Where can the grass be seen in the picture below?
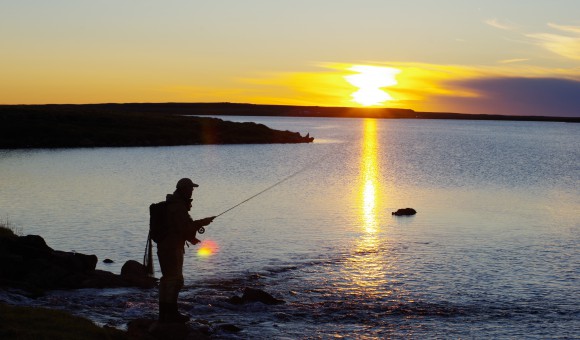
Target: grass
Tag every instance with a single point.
(40, 323)
(7, 230)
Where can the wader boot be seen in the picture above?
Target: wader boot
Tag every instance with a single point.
(168, 293)
(168, 313)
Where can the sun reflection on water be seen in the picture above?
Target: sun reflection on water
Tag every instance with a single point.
(366, 269)
(369, 173)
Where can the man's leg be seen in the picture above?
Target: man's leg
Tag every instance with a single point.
(171, 282)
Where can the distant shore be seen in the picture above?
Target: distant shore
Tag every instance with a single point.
(169, 124)
(242, 109)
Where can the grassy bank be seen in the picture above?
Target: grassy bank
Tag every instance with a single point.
(41, 323)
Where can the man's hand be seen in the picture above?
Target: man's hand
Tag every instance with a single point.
(207, 220)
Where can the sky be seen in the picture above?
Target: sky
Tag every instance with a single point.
(514, 57)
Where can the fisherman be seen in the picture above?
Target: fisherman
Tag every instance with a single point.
(170, 251)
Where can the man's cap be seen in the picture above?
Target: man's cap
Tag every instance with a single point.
(185, 183)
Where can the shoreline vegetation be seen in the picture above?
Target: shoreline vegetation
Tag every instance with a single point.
(20, 322)
(169, 124)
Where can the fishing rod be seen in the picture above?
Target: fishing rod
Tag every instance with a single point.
(202, 229)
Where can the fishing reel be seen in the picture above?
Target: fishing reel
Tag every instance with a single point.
(201, 230)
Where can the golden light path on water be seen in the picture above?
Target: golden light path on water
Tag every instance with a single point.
(370, 172)
(366, 270)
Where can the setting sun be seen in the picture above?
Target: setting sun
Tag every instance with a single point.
(370, 80)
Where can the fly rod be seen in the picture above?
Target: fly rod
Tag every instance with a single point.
(202, 229)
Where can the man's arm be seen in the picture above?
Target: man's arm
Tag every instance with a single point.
(195, 226)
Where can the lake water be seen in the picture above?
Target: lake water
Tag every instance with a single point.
(493, 251)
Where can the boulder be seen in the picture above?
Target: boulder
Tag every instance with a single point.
(28, 262)
(133, 268)
(102, 279)
(405, 212)
(135, 274)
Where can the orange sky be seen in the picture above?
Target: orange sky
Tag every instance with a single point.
(460, 56)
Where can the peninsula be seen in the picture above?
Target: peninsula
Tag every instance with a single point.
(126, 125)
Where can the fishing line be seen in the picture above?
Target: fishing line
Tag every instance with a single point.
(278, 183)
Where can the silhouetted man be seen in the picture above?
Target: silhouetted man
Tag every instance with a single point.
(170, 250)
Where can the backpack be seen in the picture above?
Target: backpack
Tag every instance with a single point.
(158, 221)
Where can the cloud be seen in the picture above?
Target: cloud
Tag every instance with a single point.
(511, 61)
(516, 96)
(565, 43)
(502, 25)
(573, 29)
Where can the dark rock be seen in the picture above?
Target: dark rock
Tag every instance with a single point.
(255, 295)
(227, 327)
(102, 279)
(235, 300)
(108, 261)
(28, 262)
(405, 212)
(75, 262)
(133, 268)
(136, 275)
(44, 273)
(283, 316)
(33, 245)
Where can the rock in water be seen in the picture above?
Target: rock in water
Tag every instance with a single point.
(405, 212)
(255, 295)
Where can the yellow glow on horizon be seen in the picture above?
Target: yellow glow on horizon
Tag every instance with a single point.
(370, 80)
(417, 86)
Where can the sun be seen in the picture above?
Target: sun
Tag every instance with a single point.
(370, 80)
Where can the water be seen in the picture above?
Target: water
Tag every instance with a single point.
(492, 252)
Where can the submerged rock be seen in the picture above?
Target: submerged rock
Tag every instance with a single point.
(405, 212)
(255, 295)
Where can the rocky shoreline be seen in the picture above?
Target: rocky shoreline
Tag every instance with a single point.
(30, 268)
(27, 262)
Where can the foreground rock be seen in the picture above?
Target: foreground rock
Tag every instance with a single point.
(405, 212)
(28, 262)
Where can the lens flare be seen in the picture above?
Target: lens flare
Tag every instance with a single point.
(207, 248)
